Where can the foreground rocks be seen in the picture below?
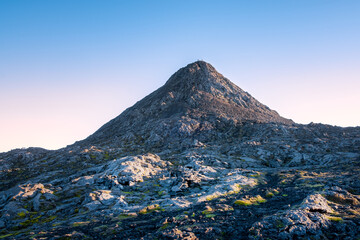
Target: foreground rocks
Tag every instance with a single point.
(186, 196)
(314, 218)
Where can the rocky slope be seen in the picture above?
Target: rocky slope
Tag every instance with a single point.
(194, 100)
(198, 158)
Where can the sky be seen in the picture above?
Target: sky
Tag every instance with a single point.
(68, 67)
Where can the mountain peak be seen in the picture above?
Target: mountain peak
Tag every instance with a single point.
(196, 94)
(195, 73)
(199, 65)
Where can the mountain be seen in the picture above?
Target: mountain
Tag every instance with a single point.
(195, 99)
(199, 158)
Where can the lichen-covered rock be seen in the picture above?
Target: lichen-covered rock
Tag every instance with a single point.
(291, 224)
(13, 210)
(338, 195)
(129, 170)
(316, 203)
(105, 197)
(311, 219)
(84, 181)
(29, 191)
(93, 205)
(175, 233)
(230, 184)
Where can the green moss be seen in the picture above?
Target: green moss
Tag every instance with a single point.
(210, 215)
(106, 156)
(207, 211)
(255, 175)
(128, 193)
(243, 202)
(166, 225)
(259, 199)
(161, 193)
(100, 228)
(313, 185)
(209, 198)
(7, 235)
(335, 219)
(279, 224)
(284, 195)
(125, 216)
(150, 209)
(30, 221)
(269, 195)
(180, 217)
(79, 224)
(233, 191)
(283, 182)
(251, 201)
(49, 219)
(21, 214)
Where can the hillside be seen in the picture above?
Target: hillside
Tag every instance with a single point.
(199, 158)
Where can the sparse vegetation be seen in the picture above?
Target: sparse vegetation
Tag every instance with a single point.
(335, 219)
(279, 224)
(150, 209)
(250, 201)
(6, 235)
(166, 225)
(79, 224)
(208, 210)
(125, 216)
(21, 214)
(269, 194)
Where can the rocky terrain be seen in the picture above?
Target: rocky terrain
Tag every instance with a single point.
(199, 158)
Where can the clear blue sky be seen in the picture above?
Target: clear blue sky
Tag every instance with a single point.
(67, 67)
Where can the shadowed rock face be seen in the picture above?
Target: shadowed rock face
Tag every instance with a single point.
(196, 94)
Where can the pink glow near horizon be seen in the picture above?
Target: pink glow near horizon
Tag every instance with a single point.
(67, 68)
(54, 119)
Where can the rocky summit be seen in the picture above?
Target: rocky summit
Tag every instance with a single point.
(199, 158)
(193, 102)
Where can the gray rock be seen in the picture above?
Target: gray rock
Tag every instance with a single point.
(12, 210)
(94, 205)
(36, 202)
(197, 141)
(316, 203)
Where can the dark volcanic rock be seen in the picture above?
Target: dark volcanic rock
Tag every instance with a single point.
(199, 158)
(195, 99)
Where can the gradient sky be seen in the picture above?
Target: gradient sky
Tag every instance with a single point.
(68, 67)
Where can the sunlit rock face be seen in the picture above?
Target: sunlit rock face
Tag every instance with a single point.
(199, 158)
